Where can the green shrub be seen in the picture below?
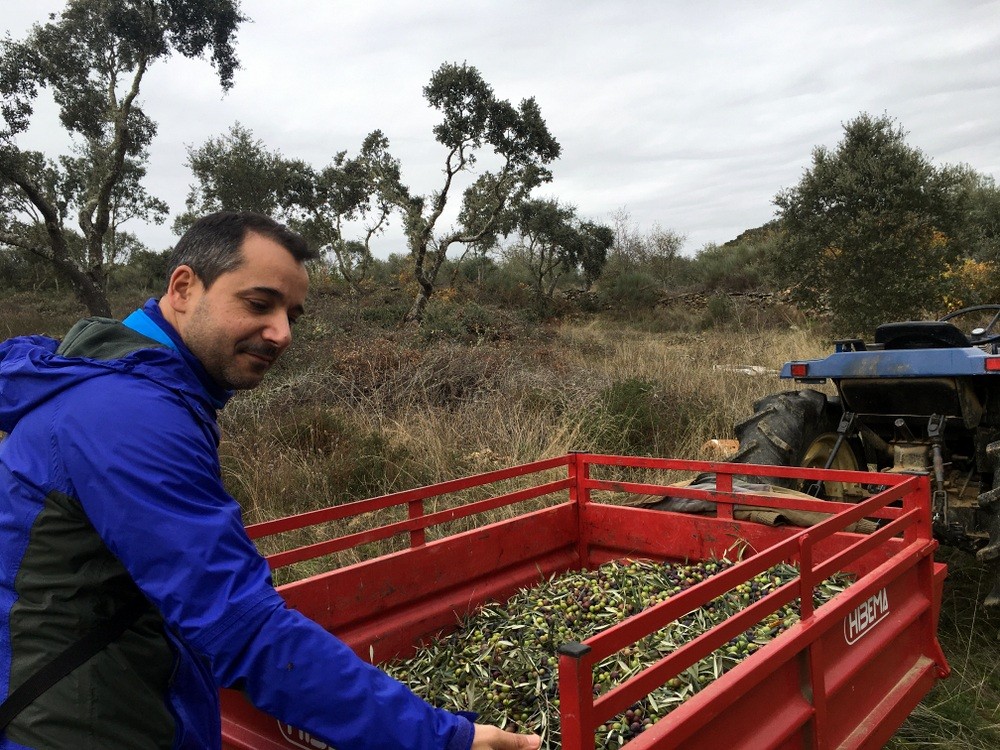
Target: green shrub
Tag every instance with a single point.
(721, 310)
(389, 314)
(462, 322)
(506, 289)
(632, 418)
(629, 288)
(309, 457)
(739, 267)
(145, 272)
(21, 271)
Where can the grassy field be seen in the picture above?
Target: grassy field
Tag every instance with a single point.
(360, 408)
(386, 413)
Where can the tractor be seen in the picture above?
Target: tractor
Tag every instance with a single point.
(924, 396)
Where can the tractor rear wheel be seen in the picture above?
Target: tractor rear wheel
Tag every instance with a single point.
(796, 428)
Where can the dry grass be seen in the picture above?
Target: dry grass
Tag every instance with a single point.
(429, 414)
(355, 412)
(398, 415)
(23, 313)
(357, 416)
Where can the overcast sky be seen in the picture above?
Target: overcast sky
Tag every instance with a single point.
(689, 115)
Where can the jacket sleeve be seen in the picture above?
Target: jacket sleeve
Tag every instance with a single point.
(147, 475)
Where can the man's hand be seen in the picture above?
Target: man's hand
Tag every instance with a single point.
(492, 738)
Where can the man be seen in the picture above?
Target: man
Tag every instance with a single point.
(112, 510)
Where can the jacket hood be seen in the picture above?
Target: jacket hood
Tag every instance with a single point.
(22, 360)
(32, 371)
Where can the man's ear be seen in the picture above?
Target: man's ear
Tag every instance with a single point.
(181, 288)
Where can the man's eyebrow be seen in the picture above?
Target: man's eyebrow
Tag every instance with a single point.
(277, 295)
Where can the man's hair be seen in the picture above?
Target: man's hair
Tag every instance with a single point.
(211, 247)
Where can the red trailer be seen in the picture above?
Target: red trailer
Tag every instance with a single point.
(845, 676)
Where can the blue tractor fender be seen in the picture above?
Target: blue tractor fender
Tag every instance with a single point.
(847, 363)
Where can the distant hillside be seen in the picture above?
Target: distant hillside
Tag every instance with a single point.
(755, 235)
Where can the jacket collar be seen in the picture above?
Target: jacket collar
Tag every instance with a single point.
(149, 321)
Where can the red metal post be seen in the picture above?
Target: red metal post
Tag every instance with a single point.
(911, 501)
(579, 493)
(415, 509)
(806, 582)
(576, 696)
(925, 574)
(724, 483)
(816, 666)
(922, 530)
(813, 688)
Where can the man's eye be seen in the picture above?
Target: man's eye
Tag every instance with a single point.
(257, 306)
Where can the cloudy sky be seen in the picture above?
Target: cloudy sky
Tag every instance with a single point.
(688, 115)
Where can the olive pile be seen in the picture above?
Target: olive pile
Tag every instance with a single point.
(501, 662)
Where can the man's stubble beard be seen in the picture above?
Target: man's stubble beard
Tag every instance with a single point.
(219, 356)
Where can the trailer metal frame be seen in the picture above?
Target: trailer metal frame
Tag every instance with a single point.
(845, 676)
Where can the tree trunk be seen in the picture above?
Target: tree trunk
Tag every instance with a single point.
(416, 313)
(426, 277)
(95, 300)
(89, 288)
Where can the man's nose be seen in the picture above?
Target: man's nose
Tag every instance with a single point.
(278, 331)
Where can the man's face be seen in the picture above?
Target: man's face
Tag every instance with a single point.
(241, 324)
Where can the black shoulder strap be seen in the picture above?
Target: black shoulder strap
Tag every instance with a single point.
(75, 655)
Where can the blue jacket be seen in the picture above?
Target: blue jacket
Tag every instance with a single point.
(110, 480)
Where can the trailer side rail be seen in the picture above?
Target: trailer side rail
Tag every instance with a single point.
(582, 713)
(798, 682)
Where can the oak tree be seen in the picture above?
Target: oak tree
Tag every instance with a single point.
(551, 242)
(339, 208)
(233, 172)
(476, 127)
(870, 228)
(92, 58)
